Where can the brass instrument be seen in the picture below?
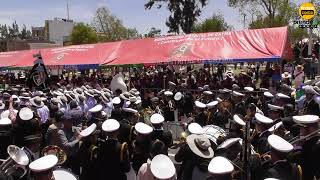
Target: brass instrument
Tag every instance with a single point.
(17, 159)
(225, 107)
(183, 137)
(146, 114)
(55, 150)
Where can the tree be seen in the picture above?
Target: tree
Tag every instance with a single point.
(83, 34)
(214, 24)
(4, 33)
(183, 15)
(110, 28)
(287, 12)
(23, 33)
(153, 33)
(268, 13)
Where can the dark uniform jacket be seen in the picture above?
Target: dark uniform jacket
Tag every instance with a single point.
(281, 170)
(141, 152)
(260, 142)
(87, 156)
(311, 107)
(201, 119)
(109, 163)
(164, 136)
(240, 108)
(309, 158)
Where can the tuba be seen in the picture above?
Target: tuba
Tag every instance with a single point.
(118, 83)
(225, 107)
(57, 151)
(18, 159)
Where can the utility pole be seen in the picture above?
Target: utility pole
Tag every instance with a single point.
(244, 20)
(68, 9)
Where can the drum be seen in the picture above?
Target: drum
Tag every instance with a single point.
(213, 132)
(63, 174)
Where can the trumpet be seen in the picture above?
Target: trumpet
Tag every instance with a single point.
(17, 159)
(55, 150)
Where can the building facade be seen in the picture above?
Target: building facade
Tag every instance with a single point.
(58, 30)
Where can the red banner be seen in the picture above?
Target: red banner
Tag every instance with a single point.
(238, 46)
(247, 45)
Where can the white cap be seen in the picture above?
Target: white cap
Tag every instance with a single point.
(5, 121)
(178, 96)
(283, 96)
(237, 94)
(227, 143)
(168, 93)
(162, 167)
(271, 179)
(171, 83)
(219, 99)
(207, 92)
(264, 89)
(110, 125)
(116, 100)
(250, 89)
(130, 110)
(200, 104)
(220, 165)
(263, 119)
(306, 119)
(212, 104)
(143, 128)
(238, 120)
(279, 144)
(25, 114)
(275, 108)
(275, 127)
(44, 163)
(89, 130)
(268, 94)
(133, 99)
(62, 174)
(156, 119)
(195, 128)
(96, 108)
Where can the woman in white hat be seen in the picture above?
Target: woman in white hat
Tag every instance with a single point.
(194, 156)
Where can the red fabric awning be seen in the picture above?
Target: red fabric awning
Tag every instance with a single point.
(238, 46)
(248, 45)
(75, 55)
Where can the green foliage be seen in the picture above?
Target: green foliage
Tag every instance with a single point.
(83, 34)
(110, 28)
(153, 33)
(183, 15)
(286, 12)
(214, 24)
(12, 32)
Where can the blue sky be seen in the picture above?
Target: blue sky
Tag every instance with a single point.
(131, 12)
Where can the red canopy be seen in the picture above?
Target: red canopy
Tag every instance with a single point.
(248, 45)
(75, 55)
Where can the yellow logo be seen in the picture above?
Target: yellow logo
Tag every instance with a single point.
(307, 11)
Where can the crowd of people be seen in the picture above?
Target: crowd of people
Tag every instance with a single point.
(252, 124)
